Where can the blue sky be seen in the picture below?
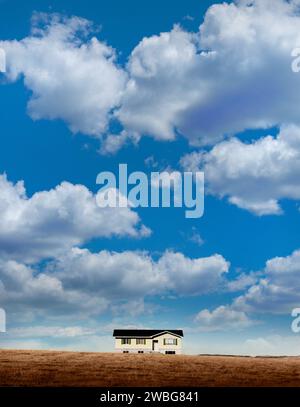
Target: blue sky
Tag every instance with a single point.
(222, 99)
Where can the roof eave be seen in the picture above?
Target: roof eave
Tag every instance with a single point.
(148, 336)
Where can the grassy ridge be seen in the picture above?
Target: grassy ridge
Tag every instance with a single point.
(49, 368)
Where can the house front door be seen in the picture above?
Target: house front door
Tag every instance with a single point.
(155, 346)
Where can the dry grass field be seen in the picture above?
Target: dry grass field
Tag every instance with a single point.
(47, 368)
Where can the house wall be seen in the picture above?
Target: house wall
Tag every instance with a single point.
(133, 347)
(162, 348)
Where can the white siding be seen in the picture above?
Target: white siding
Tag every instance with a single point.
(133, 347)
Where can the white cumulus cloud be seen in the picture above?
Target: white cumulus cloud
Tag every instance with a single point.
(24, 289)
(71, 77)
(277, 292)
(222, 318)
(253, 175)
(233, 74)
(134, 274)
(49, 222)
(80, 282)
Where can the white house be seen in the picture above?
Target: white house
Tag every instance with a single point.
(167, 341)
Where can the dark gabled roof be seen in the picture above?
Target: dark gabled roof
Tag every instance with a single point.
(145, 332)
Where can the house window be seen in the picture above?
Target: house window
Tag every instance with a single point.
(141, 341)
(170, 341)
(170, 352)
(125, 341)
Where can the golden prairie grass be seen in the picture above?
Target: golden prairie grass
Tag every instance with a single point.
(55, 369)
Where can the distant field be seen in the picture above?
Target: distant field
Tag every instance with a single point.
(47, 368)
